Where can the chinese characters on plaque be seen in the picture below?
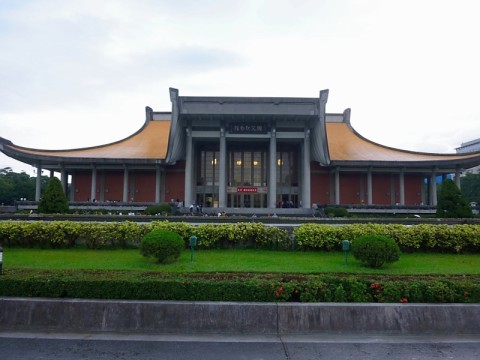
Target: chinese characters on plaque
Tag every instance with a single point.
(248, 128)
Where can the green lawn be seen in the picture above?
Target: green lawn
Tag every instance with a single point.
(238, 261)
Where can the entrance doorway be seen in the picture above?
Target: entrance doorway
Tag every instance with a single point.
(247, 172)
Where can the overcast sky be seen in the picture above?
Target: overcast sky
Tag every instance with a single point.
(78, 73)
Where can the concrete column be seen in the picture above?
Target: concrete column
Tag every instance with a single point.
(38, 184)
(222, 181)
(337, 186)
(401, 180)
(369, 187)
(188, 167)
(306, 171)
(93, 191)
(125, 184)
(158, 183)
(423, 194)
(64, 180)
(72, 188)
(433, 189)
(272, 180)
(457, 177)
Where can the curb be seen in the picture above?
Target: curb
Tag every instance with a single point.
(230, 318)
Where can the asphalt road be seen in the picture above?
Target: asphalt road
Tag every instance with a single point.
(26, 346)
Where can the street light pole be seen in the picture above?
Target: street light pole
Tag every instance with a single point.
(1, 259)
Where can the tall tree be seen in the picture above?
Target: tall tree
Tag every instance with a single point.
(6, 191)
(470, 185)
(54, 200)
(451, 202)
(15, 186)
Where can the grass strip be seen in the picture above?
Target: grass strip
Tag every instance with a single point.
(248, 261)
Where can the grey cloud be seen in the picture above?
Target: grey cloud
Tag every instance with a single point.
(80, 72)
(64, 60)
(46, 64)
(191, 59)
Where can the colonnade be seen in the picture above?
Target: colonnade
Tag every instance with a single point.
(431, 180)
(272, 183)
(93, 187)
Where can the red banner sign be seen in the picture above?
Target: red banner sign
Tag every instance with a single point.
(247, 189)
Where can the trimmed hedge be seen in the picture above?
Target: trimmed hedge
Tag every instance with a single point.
(423, 237)
(61, 234)
(162, 209)
(238, 287)
(331, 211)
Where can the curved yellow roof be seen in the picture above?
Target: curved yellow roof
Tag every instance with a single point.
(150, 142)
(345, 144)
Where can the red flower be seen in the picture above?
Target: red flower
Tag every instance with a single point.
(404, 300)
(377, 287)
(279, 291)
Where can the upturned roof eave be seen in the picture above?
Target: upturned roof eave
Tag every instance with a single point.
(23, 155)
(439, 164)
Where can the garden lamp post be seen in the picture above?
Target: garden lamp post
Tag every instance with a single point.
(346, 249)
(193, 244)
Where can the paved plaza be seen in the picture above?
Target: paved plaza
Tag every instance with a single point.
(36, 346)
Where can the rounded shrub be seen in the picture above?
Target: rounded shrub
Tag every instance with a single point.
(331, 211)
(375, 250)
(163, 245)
(162, 209)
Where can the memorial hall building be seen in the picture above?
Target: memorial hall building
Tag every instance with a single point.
(247, 152)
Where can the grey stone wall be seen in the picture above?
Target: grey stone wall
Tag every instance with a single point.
(160, 317)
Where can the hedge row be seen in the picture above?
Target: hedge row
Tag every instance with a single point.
(238, 287)
(61, 234)
(64, 234)
(423, 237)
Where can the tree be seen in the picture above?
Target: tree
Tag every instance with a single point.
(470, 185)
(451, 202)
(15, 186)
(6, 191)
(54, 200)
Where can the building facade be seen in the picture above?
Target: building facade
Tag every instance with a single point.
(468, 147)
(247, 153)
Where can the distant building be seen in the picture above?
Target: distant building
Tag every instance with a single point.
(469, 147)
(257, 153)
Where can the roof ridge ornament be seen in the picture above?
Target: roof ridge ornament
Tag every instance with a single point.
(346, 115)
(148, 114)
(324, 95)
(319, 148)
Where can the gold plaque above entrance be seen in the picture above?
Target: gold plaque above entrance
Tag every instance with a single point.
(248, 128)
(247, 189)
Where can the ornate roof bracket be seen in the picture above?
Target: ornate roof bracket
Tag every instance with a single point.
(176, 142)
(148, 114)
(319, 146)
